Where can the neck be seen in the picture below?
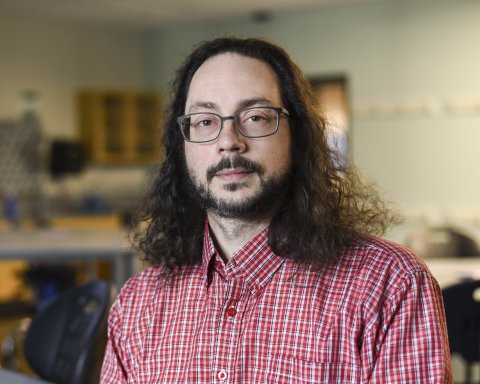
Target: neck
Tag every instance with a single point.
(231, 234)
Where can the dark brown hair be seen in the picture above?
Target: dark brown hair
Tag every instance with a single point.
(328, 205)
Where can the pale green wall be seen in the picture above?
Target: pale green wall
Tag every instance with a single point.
(398, 55)
(59, 59)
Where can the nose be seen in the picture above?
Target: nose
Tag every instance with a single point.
(230, 140)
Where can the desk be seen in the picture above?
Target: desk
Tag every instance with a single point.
(70, 245)
(10, 377)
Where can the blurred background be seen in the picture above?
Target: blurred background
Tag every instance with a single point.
(83, 85)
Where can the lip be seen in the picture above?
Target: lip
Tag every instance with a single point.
(233, 173)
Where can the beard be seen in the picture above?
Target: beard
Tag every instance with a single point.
(271, 194)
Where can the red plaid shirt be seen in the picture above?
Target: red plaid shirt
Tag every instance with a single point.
(374, 317)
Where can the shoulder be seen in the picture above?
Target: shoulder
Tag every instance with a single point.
(143, 281)
(135, 296)
(141, 287)
(378, 271)
(386, 272)
(378, 256)
(143, 292)
(370, 263)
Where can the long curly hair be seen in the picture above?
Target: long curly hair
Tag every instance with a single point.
(328, 204)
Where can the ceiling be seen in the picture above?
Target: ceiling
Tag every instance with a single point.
(154, 13)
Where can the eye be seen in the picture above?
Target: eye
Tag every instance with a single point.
(204, 120)
(256, 116)
(204, 123)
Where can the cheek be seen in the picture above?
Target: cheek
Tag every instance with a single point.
(189, 155)
(280, 156)
(280, 159)
(196, 160)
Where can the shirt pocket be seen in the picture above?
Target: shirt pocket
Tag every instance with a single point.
(291, 370)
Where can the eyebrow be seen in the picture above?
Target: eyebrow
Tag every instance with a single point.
(255, 101)
(199, 105)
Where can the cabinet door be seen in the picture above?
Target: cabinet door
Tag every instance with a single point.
(146, 145)
(102, 126)
(116, 116)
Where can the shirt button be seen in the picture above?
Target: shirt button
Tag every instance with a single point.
(222, 375)
(231, 312)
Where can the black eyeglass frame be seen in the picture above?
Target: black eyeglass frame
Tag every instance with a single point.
(279, 110)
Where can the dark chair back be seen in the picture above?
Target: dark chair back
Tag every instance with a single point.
(61, 339)
(462, 310)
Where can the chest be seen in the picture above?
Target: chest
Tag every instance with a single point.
(238, 332)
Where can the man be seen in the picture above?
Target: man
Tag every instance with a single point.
(264, 268)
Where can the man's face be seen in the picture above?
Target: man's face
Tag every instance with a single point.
(235, 176)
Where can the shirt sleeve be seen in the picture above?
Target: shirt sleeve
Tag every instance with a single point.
(410, 340)
(113, 371)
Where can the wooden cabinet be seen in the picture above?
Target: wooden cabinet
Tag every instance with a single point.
(120, 127)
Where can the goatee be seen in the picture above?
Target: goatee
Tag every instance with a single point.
(272, 191)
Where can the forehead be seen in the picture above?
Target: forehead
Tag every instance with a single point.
(229, 77)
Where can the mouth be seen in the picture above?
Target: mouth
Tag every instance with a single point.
(233, 174)
(233, 169)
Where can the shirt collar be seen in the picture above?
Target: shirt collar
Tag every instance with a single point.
(255, 262)
(209, 251)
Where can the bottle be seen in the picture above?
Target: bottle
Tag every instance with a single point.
(10, 210)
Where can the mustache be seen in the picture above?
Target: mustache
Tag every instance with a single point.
(233, 162)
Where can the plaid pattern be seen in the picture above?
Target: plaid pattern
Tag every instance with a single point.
(374, 317)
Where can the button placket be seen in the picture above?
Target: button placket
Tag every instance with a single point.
(235, 298)
(228, 329)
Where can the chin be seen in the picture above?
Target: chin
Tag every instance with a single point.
(236, 193)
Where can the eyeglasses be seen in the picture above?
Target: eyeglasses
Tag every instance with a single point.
(254, 122)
